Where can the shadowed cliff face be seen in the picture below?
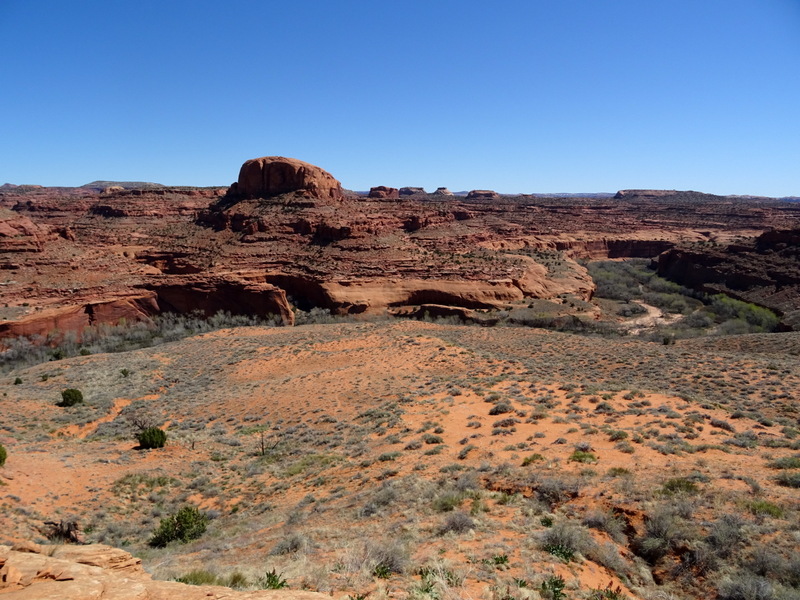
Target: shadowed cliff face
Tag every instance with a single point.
(763, 271)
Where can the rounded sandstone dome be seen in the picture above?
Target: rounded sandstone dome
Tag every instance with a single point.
(272, 175)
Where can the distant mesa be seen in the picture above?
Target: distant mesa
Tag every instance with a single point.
(627, 194)
(411, 191)
(100, 186)
(443, 191)
(483, 195)
(274, 175)
(382, 191)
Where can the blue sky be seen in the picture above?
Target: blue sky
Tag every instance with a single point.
(516, 96)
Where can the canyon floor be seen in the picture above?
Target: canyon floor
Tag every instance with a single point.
(413, 459)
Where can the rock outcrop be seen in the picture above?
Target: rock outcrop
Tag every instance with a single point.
(99, 572)
(274, 175)
(77, 256)
(381, 191)
(411, 191)
(442, 191)
(482, 195)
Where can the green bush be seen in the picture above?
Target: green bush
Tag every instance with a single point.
(272, 580)
(3, 455)
(679, 485)
(582, 457)
(152, 437)
(70, 397)
(185, 525)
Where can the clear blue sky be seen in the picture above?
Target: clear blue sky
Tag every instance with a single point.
(516, 96)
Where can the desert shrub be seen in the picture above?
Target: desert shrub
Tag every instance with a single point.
(528, 460)
(664, 530)
(457, 522)
(152, 437)
(721, 424)
(236, 580)
(272, 580)
(745, 587)
(786, 462)
(70, 397)
(607, 522)
(553, 588)
(725, 534)
(18, 381)
(764, 507)
(290, 544)
(185, 525)
(3, 455)
(791, 480)
(617, 435)
(448, 501)
(618, 472)
(430, 438)
(564, 540)
(582, 457)
(198, 577)
(554, 491)
(764, 562)
(501, 408)
(465, 451)
(385, 558)
(679, 485)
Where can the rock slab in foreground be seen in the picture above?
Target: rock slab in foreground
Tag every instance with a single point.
(99, 572)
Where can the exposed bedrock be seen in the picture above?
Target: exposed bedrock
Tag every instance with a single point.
(213, 294)
(57, 321)
(273, 175)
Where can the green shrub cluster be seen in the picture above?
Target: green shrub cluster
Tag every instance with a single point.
(185, 525)
(3, 455)
(152, 437)
(70, 397)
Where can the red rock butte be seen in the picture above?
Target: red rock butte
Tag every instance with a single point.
(274, 175)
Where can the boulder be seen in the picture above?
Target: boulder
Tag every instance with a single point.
(382, 191)
(274, 175)
(483, 195)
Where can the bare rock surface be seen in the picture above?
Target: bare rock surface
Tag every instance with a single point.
(99, 572)
(274, 175)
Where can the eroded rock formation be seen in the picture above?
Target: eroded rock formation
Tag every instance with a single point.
(382, 191)
(273, 175)
(76, 256)
(482, 195)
